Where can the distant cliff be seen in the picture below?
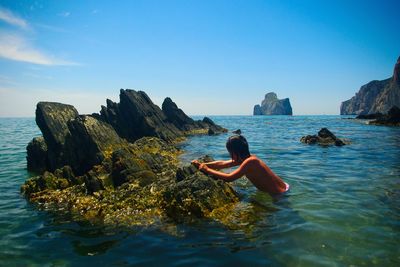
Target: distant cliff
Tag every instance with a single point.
(375, 96)
(271, 105)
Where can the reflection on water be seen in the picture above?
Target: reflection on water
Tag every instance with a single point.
(342, 208)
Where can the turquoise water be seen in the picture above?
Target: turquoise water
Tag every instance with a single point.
(343, 208)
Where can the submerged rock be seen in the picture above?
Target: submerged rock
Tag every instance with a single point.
(324, 138)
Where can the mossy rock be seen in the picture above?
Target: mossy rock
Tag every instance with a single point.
(139, 184)
(197, 195)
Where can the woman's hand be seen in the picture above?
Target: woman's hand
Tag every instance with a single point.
(203, 167)
(196, 163)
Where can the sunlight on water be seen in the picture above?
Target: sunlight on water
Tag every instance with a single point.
(343, 208)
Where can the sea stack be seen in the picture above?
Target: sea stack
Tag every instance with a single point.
(271, 105)
(375, 96)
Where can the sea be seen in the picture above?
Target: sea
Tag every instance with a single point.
(343, 207)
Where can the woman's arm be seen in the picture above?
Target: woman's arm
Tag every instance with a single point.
(217, 165)
(229, 177)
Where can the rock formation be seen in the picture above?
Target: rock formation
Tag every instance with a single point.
(184, 123)
(121, 166)
(81, 141)
(324, 138)
(136, 116)
(375, 96)
(271, 105)
(68, 139)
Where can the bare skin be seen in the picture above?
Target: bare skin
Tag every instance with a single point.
(252, 167)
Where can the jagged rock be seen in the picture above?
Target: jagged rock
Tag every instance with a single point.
(89, 142)
(375, 96)
(271, 105)
(137, 116)
(37, 155)
(212, 127)
(82, 141)
(176, 116)
(52, 119)
(184, 123)
(78, 141)
(324, 138)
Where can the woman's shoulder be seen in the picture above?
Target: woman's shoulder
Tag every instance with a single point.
(252, 158)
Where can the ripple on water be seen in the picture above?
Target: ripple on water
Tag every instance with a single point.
(342, 209)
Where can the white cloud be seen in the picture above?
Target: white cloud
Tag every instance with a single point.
(15, 47)
(10, 18)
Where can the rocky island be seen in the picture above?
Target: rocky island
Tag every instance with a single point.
(271, 105)
(375, 96)
(121, 167)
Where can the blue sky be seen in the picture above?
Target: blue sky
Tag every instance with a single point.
(210, 57)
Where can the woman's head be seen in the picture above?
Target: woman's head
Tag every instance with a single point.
(237, 146)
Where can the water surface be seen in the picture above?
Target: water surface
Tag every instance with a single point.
(343, 207)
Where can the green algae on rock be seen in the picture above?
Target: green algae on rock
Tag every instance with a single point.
(137, 185)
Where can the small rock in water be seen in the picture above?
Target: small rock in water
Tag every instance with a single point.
(324, 138)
